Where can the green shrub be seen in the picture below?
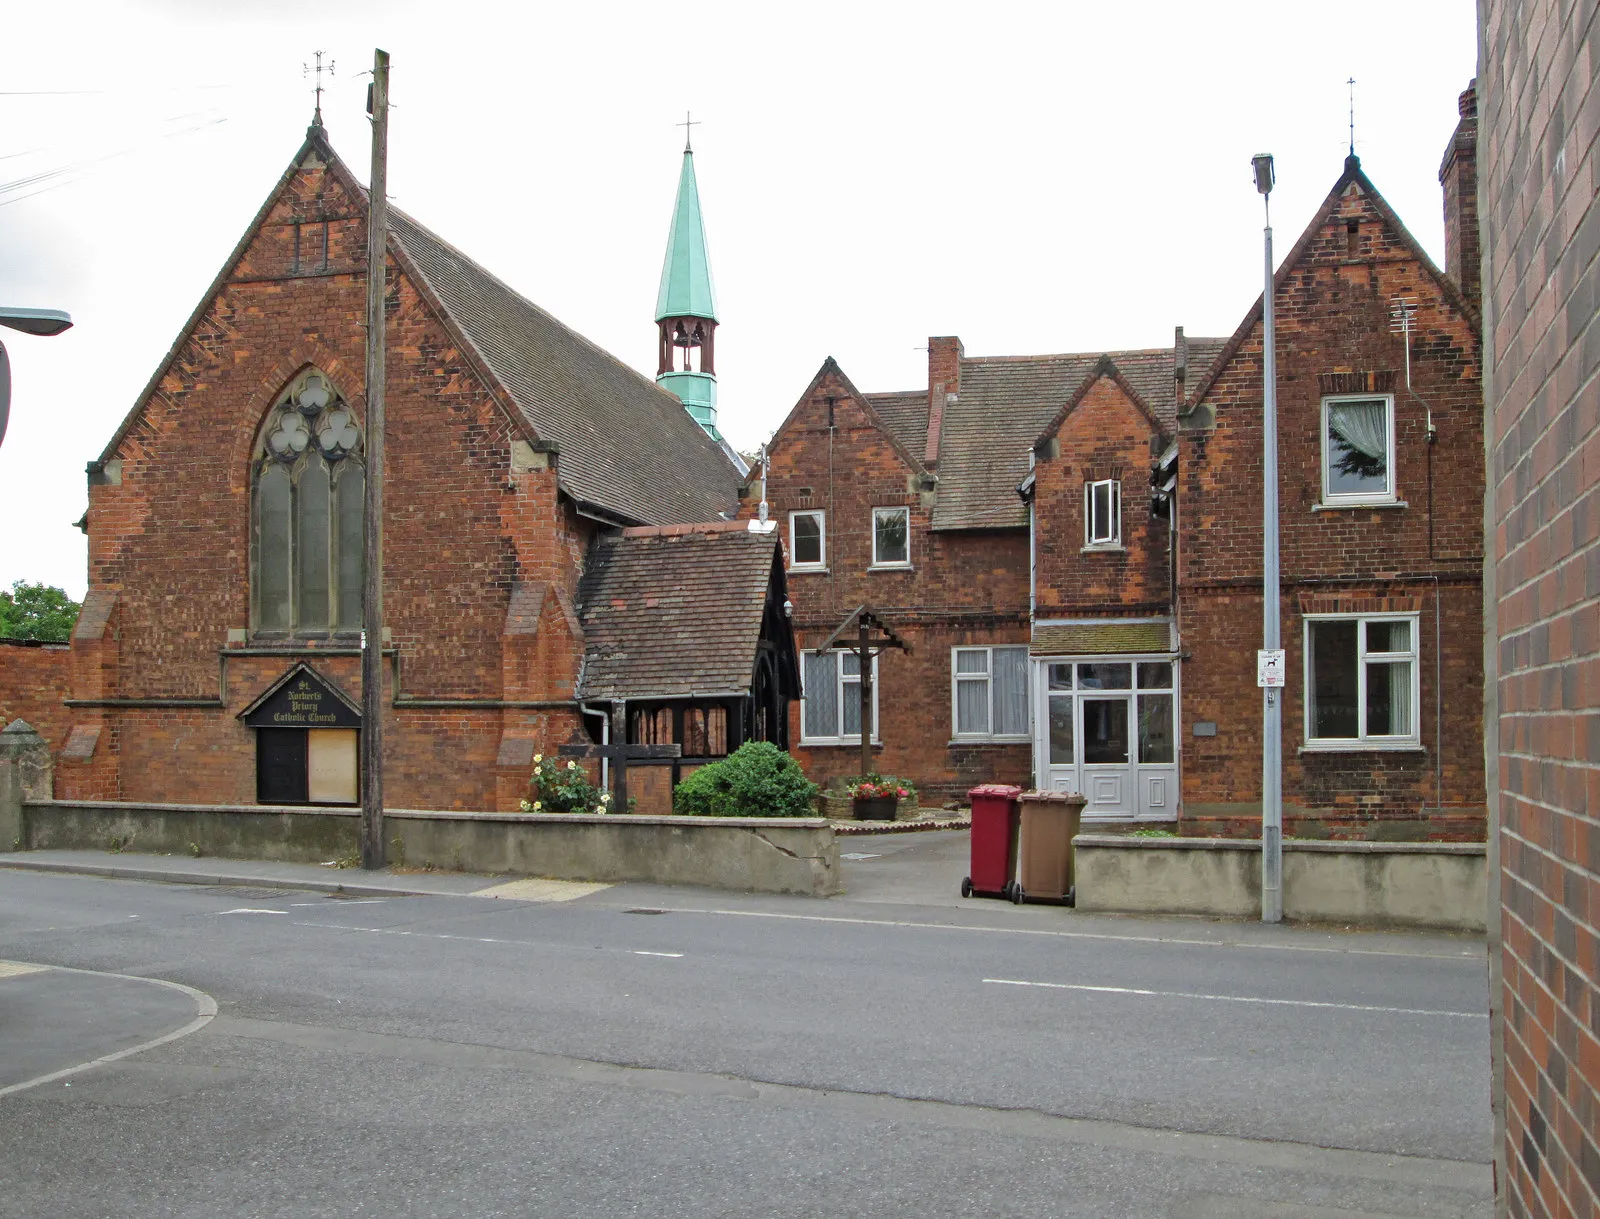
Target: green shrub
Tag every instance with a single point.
(757, 780)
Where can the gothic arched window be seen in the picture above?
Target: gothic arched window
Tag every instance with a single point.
(309, 484)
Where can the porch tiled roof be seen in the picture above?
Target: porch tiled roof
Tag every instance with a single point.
(1101, 638)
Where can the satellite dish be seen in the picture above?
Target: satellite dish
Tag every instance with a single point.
(5, 392)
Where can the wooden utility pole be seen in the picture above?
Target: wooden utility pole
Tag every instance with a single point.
(372, 849)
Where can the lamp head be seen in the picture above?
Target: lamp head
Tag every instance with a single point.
(1264, 174)
(44, 322)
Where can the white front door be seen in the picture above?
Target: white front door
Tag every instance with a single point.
(1107, 730)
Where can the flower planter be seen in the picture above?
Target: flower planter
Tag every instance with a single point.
(881, 808)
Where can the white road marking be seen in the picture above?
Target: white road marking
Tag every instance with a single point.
(640, 952)
(861, 855)
(1465, 954)
(206, 1009)
(251, 910)
(16, 969)
(1178, 994)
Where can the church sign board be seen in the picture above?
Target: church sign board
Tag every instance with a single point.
(302, 701)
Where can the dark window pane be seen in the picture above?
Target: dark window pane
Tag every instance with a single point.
(1155, 675)
(312, 539)
(1061, 677)
(807, 539)
(1155, 728)
(1061, 732)
(1105, 677)
(1105, 730)
(272, 549)
(1334, 693)
(349, 542)
(1388, 637)
(1389, 699)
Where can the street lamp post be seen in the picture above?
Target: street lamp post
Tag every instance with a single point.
(44, 322)
(1270, 663)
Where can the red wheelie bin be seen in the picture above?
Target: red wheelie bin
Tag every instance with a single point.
(995, 821)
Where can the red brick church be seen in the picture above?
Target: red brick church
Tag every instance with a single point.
(217, 656)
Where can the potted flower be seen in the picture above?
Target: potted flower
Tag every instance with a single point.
(875, 797)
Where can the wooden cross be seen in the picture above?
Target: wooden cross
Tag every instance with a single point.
(688, 125)
(873, 635)
(618, 754)
(307, 70)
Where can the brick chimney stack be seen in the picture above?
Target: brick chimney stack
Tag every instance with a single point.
(944, 382)
(1458, 174)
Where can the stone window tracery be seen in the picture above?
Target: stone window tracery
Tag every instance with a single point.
(308, 487)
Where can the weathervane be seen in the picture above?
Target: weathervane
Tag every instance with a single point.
(307, 69)
(688, 124)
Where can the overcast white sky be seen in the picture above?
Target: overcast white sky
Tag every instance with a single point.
(1036, 177)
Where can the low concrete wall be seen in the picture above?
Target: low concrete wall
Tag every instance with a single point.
(758, 854)
(1393, 884)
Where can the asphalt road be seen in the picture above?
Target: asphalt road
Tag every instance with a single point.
(652, 1051)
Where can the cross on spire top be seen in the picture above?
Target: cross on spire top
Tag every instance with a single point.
(688, 125)
(307, 70)
(1352, 83)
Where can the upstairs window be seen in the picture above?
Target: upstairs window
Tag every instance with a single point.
(808, 540)
(1102, 513)
(891, 537)
(309, 535)
(1358, 450)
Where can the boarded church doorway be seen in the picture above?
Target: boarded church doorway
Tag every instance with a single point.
(308, 741)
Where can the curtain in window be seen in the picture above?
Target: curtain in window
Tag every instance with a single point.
(1389, 699)
(972, 706)
(1364, 426)
(822, 694)
(1010, 691)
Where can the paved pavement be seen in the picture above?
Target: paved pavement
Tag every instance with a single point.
(571, 1050)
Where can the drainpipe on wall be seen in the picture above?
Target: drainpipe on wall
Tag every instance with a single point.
(1033, 550)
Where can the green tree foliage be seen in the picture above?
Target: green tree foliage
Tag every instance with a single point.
(756, 780)
(37, 611)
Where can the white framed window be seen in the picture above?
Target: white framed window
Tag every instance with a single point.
(891, 537)
(989, 693)
(1102, 513)
(1362, 680)
(808, 540)
(1358, 449)
(830, 706)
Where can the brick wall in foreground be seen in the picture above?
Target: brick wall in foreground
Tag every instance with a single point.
(1539, 201)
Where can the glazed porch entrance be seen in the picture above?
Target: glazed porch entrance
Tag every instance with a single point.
(1106, 728)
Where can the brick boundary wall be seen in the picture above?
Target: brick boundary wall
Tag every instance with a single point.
(34, 679)
(1539, 199)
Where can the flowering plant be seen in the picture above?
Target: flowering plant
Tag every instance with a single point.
(880, 787)
(557, 788)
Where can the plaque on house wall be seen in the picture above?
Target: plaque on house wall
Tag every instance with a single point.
(301, 698)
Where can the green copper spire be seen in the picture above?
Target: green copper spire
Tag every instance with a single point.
(686, 275)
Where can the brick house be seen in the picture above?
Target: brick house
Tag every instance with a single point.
(1540, 201)
(1071, 544)
(226, 541)
(1380, 475)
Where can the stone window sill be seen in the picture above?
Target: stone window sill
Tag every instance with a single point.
(1104, 548)
(1362, 747)
(834, 742)
(807, 570)
(988, 740)
(1358, 505)
(890, 567)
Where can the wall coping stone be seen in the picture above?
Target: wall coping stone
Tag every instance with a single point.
(1321, 846)
(323, 810)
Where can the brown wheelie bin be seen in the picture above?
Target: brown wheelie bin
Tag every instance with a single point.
(1049, 823)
